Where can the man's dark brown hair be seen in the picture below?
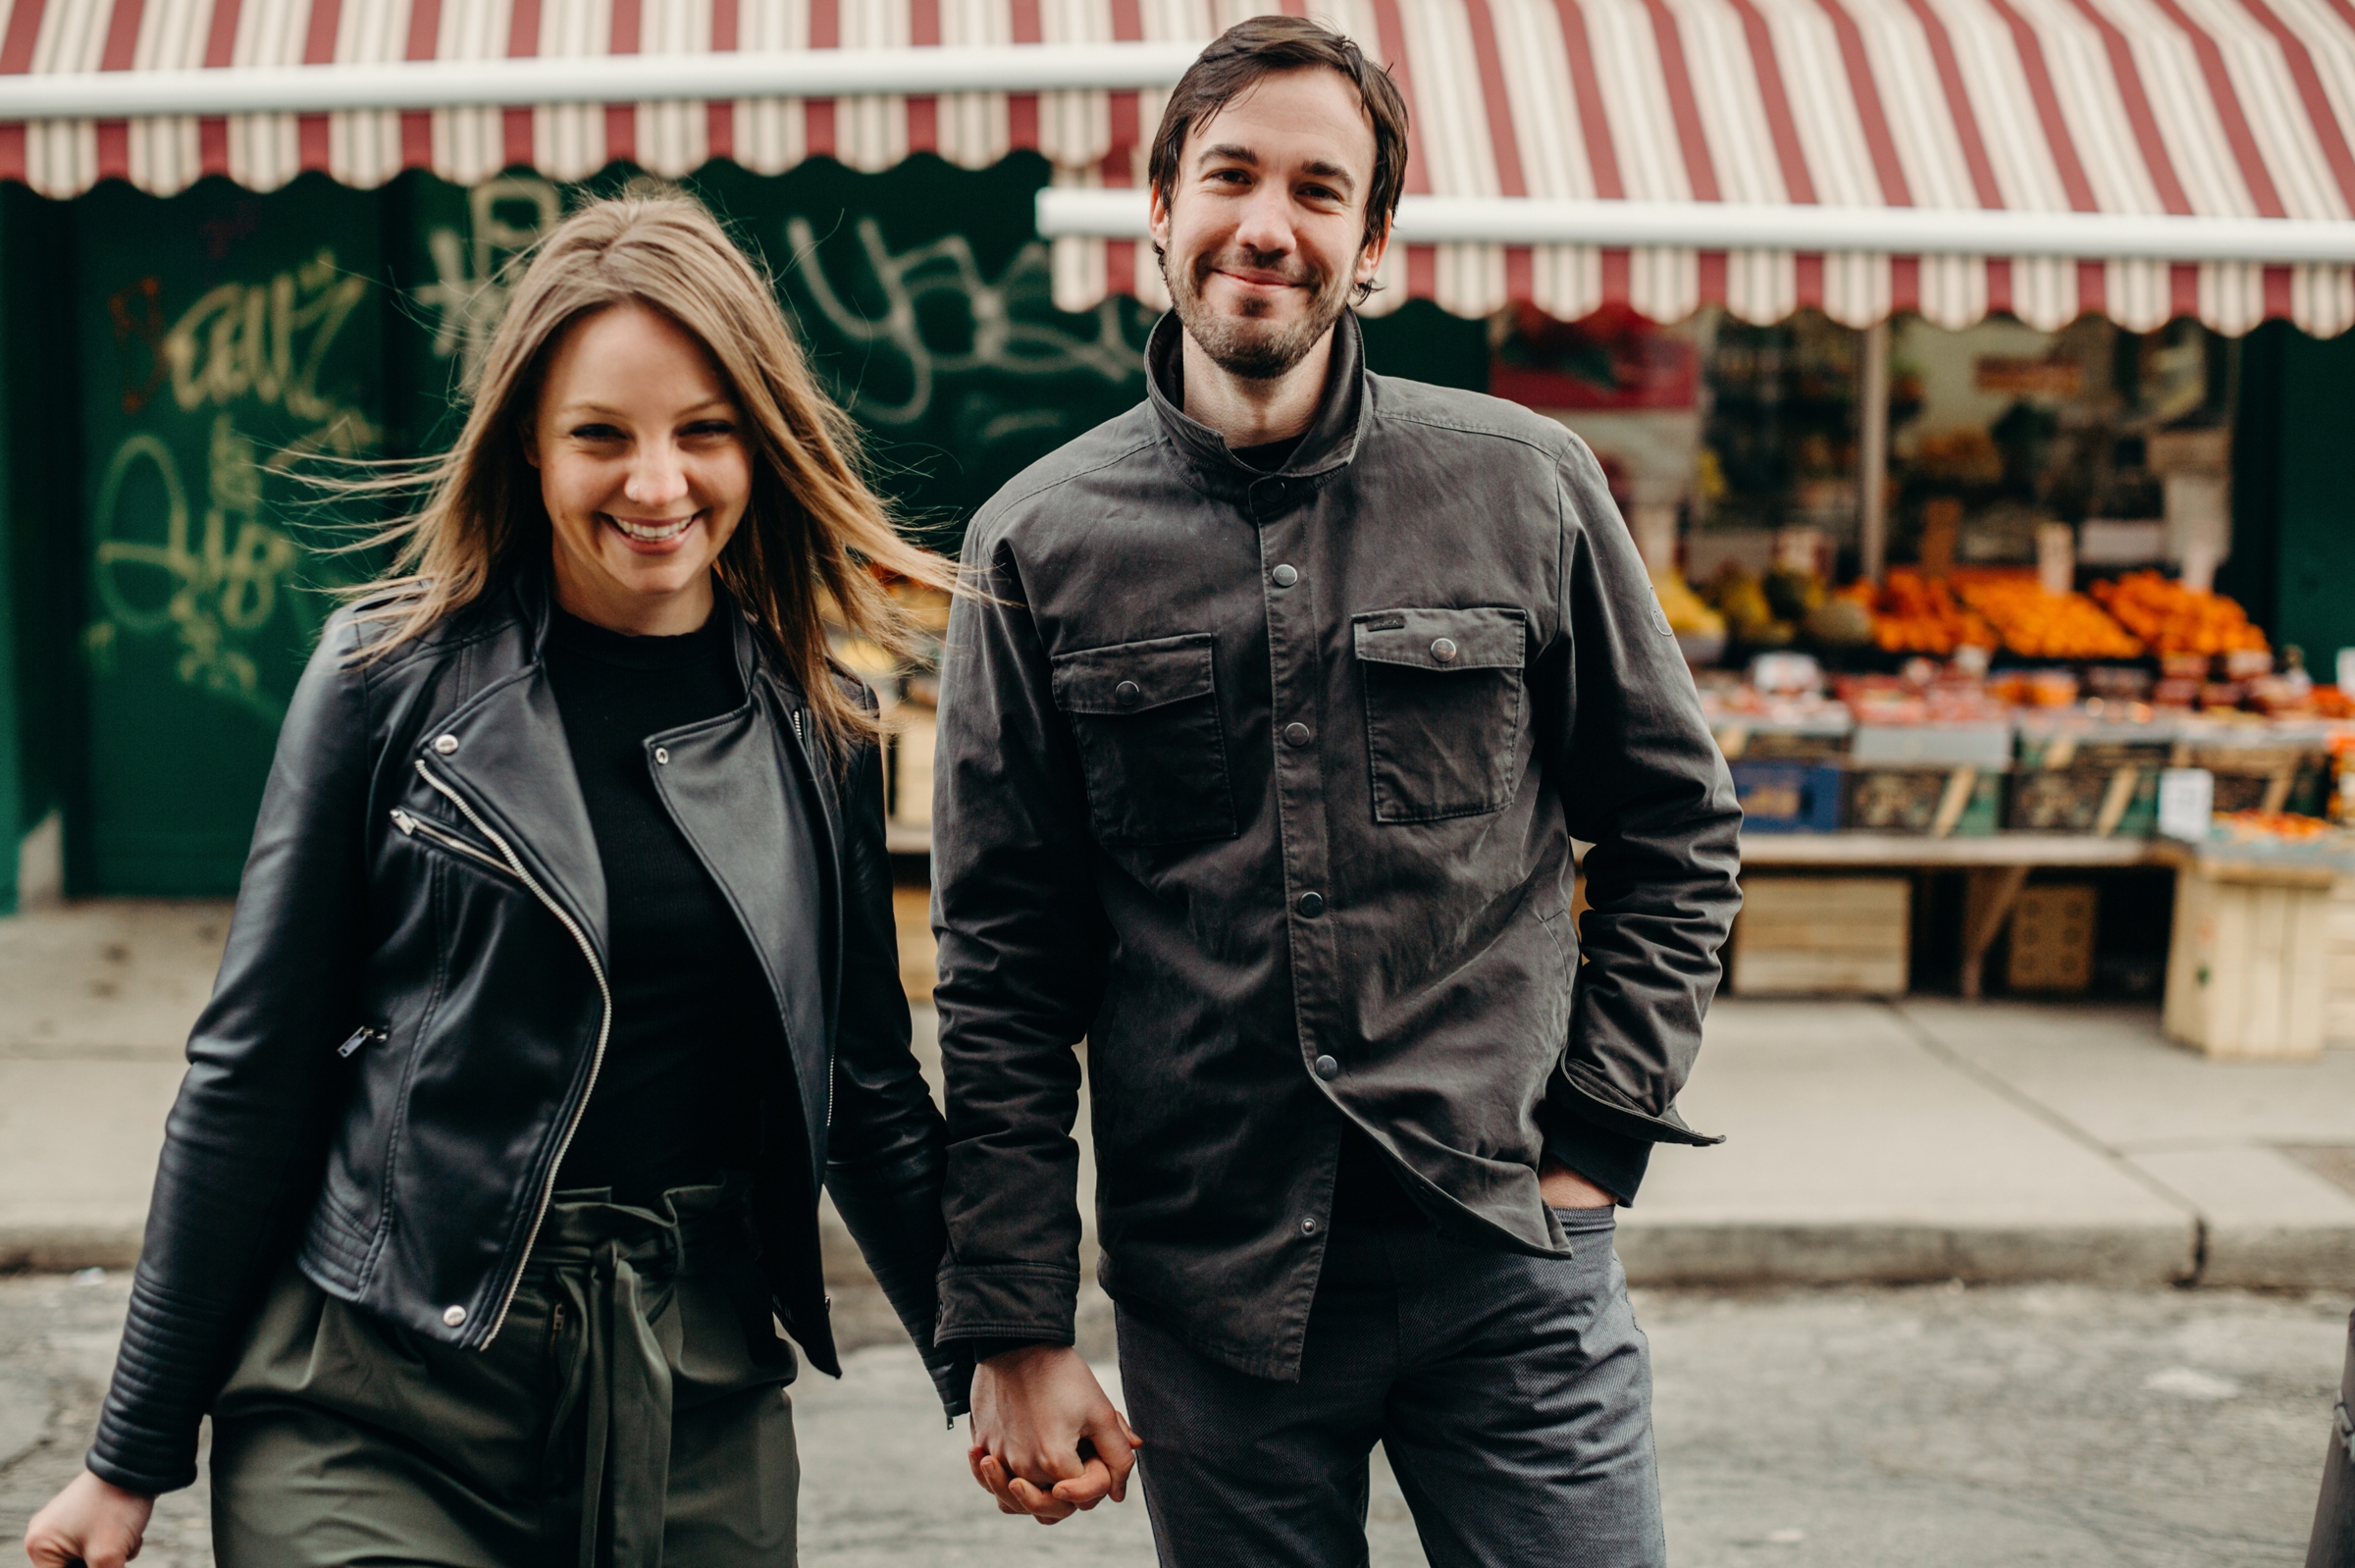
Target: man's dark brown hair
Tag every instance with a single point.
(1261, 48)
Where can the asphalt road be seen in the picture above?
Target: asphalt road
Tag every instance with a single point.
(1830, 1429)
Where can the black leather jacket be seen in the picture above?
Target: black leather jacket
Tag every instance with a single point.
(413, 1007)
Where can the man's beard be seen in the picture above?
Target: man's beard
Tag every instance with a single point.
(1253, 347)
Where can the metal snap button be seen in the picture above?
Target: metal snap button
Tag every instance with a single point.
(662, 755)
(1295, 735)
(453, 1315)
(1327, 1068)
(445, 743)
(1128, 693)
(1442, 648)
(1311, 904)
(1285, 576)
(1308, 1226)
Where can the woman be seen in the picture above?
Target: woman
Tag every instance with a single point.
(562, 973)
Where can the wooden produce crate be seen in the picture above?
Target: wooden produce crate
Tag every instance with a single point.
(2248, 971)
(2052, 939)
(2099, 778)
(1807, 935)
(2338, 989)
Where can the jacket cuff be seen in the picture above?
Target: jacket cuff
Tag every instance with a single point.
(1612, 1161)
(142, 1482)
(996, 1345)
(1033, 1302)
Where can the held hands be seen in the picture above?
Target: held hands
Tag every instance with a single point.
(1046, 1442)
(90, 1522)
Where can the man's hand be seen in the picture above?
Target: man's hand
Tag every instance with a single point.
(1564, 1189)
(1046, 1442)
(90, 1522)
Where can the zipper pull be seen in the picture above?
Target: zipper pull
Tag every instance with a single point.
(405, 822)
(359, 1037)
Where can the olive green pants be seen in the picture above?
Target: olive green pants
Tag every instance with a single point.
(631, 1409)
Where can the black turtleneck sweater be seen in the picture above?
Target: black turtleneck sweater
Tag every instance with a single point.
(674, 1103)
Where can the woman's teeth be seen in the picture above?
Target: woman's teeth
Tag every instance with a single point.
(653, 532)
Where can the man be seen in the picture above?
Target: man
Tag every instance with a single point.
(1262, 750)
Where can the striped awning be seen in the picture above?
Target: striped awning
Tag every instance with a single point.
(2145, 159)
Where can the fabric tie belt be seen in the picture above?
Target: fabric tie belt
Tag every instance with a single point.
(608, 1298)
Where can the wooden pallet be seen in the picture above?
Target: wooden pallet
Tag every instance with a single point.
(1829, 935)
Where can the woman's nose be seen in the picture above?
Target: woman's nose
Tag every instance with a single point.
(657, 477)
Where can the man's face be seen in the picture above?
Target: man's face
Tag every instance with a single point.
(1264, 235)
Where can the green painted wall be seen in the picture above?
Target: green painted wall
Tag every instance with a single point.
(39, 546)
(2310, 455)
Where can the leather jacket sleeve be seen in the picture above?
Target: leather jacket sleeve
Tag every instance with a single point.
(885, 1151)
(242, 1150)
(1661, 877)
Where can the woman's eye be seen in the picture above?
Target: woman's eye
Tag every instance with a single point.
(709, 428)
(595, 432)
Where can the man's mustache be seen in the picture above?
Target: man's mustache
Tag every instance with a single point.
(1300, 274)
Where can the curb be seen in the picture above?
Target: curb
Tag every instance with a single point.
(1721, 1256)
(1672, 1253)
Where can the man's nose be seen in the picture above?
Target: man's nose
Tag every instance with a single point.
(657, 478)
(1265, 228)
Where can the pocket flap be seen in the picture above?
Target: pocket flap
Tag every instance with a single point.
(1442, 639)
(1133, 677)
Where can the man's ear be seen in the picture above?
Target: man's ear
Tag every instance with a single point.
(1158, 212)
(1368, 259)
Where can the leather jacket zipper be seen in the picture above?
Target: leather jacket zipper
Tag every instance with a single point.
(414, 826)
(360, 1036)
(605, 1029)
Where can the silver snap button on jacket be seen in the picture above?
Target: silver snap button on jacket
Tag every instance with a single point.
(1442, 648)
(453, 1315)
(1327, 1068)
(1285, 576)
(445, 743)
(662, 755)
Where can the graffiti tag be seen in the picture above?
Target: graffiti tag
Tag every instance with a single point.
(1001, 339)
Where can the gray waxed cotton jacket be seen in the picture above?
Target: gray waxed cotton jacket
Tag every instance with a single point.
(1266, 786)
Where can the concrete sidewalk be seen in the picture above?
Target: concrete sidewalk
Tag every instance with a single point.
(1867, 1142)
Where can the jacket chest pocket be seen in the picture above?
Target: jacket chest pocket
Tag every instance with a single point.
(1443, 710)
(1145, 717)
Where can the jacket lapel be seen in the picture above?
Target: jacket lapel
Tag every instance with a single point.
(728, 795)
(505, 757)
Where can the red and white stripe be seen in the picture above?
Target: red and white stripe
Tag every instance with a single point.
(2212, 108)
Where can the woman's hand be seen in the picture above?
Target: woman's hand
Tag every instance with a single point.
(91, 1522)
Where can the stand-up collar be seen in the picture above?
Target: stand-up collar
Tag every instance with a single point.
(535, 594)
(1201, 452)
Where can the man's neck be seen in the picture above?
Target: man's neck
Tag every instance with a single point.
(1249, 412)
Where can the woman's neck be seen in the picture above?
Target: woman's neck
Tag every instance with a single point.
(617, 610)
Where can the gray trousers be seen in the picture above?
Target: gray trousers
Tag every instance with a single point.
(1512, 1395)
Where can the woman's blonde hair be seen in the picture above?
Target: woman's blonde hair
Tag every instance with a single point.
(812, 538)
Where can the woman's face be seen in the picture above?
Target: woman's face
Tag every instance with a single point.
(644, 468)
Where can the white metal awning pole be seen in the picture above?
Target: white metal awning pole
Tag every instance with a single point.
(592, 78)
(1873, 452)
(1793, 225)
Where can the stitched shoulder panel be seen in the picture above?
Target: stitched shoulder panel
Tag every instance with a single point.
(1109, 445)
(1469, 413)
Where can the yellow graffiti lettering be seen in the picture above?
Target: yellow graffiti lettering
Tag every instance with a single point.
(267, 341)
(220, 578)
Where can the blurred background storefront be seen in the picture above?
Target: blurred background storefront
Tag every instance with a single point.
(1974, 332)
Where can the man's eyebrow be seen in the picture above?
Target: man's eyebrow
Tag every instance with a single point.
(1229, 152)
(1333, 174)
